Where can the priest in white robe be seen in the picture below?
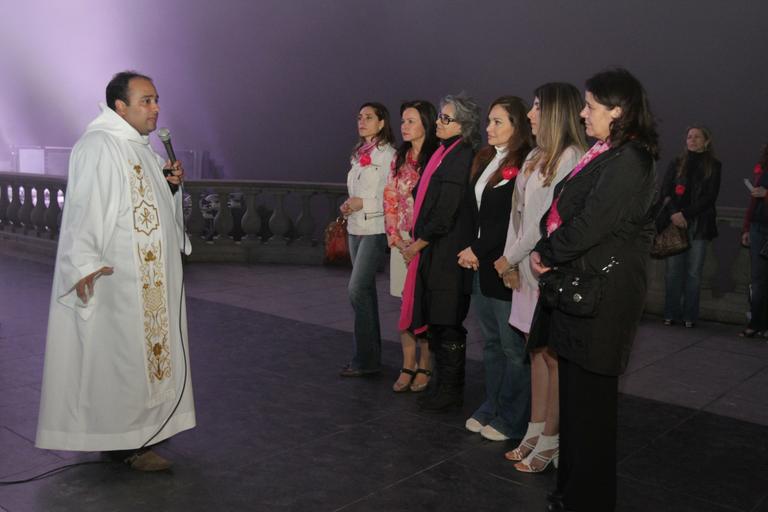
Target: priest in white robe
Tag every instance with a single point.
(116, 359)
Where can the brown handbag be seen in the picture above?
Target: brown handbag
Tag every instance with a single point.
(670, 241)
(511, 277)
(336, 243)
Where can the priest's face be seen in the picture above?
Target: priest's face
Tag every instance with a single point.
(142, 108)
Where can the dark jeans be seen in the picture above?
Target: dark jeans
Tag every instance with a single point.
(367, 253)
(507, 377)
(683, 282)
(588, 430)
(758, 304)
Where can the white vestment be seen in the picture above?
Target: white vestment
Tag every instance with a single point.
(114, 365)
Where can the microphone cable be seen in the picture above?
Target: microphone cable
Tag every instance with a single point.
(61, 469)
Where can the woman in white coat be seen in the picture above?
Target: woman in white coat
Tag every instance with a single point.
(364, 210)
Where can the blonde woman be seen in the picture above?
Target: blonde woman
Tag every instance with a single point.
(560, 142)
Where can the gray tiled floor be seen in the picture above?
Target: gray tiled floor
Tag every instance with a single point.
(278, 430)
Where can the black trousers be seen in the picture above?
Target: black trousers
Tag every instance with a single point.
(588, 428)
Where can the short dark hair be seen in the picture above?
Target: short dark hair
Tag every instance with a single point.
(617, 87)
(117, 88)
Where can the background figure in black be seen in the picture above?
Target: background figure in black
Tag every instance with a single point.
(688, 194)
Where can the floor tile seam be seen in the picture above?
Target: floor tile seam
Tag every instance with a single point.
(678, 492)
(732, 388)
(490, 473)
(688, 417)
(651, 363)
(390, 485)
(760, 504)
(727, 351)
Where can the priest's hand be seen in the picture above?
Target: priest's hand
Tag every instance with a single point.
(176, 176)
(84, 287)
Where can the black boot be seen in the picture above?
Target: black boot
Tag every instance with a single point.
(450, 359)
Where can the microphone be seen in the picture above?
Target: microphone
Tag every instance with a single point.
(165, 136)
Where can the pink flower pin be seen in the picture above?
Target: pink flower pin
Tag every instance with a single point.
(365, 160)
(509, 173)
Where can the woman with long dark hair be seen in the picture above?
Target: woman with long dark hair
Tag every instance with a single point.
(364, 210)
(492, 179)
(440, 288)
(754, 235)
(688, 194)
(417, 127)
(560, 142)
(599, 229)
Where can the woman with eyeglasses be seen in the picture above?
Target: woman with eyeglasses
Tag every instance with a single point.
(560, 142)
(599, 228)
(417, 127)
(364, 211)
(439, 288)
(504, 412)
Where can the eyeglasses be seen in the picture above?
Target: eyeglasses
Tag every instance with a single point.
(446, 119)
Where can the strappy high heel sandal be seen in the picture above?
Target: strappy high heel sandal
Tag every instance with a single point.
(402, 387)
(547, 450)
(528, 443)
(418, 388)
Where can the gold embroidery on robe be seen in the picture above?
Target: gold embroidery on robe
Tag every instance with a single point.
(152, 274)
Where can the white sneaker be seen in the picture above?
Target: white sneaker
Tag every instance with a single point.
(473, 425)
(492, 434)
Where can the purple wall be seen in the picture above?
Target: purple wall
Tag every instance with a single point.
(271, 87)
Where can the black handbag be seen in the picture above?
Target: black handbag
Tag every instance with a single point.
(573, 291)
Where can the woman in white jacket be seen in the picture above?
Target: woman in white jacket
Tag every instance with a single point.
(560, 142)
(364, 210)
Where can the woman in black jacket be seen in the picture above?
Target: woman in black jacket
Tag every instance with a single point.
(688, 194)
(599, 224)
(504, 413)
(439, 287)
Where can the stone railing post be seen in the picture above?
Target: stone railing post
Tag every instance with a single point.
(13, 207)
(223, 222)
(52, 217)
(38, 211)
(305, 223)
(251, 221)
(194, 221)
(279, 223)
(4, 203)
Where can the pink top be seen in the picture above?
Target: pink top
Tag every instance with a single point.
(398, 199)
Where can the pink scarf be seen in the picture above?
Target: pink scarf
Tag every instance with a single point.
(554, 220)
(409, 289)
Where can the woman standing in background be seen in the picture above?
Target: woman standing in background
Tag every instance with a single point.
(688, 194)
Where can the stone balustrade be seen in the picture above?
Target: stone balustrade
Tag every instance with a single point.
(283, 222)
